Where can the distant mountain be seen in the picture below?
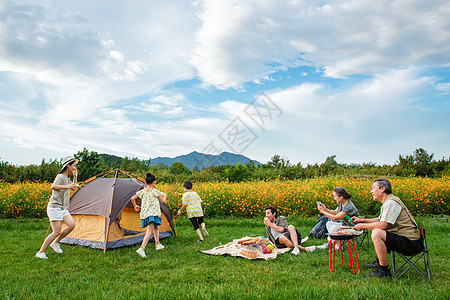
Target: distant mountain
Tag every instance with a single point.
(189, 160)
(204, 160)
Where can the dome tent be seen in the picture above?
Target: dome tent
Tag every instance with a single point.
(104, 215)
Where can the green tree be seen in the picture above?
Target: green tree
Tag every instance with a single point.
(134, 164)
(278, 162)
(237, 173)
(293, 172)
(160, 166)
(405, 166)
(90, 164)
(329, 166)
(422, 162)
(178, 168)
(441, 167)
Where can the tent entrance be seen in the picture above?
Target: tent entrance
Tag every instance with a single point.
(104, 215)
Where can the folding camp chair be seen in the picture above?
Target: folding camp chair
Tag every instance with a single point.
(360, 239)
(409, 259)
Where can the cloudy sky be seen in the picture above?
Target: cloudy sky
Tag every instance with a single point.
(362, 80)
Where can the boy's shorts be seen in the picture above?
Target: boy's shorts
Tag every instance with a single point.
(56, 213)
(196, 221)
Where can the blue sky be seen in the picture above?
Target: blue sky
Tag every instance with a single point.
(362, 80)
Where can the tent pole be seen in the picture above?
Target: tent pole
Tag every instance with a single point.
(109, 215)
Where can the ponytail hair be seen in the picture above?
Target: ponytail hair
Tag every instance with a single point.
(150, 178)
(340, 191)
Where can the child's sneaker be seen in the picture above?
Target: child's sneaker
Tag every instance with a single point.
(159, 246)
(205, 232)
(141, 252)
(296, 251)
(304, 239)
(310, 249)
(323, 247)
(56, 247)
(41, 255)
(199, 240)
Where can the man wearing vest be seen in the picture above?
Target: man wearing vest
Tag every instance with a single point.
(395, 228)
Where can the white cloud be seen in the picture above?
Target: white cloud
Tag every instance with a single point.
(104, 75)
(444, 87)
(164, 105)
(77, 44)
(373, 121)
(247, 40)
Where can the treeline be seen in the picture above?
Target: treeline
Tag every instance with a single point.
(420, 163)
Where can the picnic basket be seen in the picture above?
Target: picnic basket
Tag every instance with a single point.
(249, 252)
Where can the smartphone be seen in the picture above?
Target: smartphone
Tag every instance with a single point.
(319, 203)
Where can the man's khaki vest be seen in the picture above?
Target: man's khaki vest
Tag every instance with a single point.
(405, 225)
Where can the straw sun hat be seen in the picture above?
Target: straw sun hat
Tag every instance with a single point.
(67, 160)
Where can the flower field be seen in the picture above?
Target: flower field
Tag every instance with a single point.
(27, 199)
(247, 199)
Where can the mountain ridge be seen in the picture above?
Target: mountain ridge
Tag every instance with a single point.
(192, 159)
(201, 160)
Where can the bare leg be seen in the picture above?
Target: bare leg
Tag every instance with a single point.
(379, 242)
(68, 220)
(285, 241)
(301, 248)
(199, 233)
(156, 232)
(147, 236)
(294, 237)
(56, 231)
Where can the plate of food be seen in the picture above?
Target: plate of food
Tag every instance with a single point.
(344, 234)
(345, 227)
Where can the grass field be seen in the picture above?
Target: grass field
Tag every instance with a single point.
(181, 272)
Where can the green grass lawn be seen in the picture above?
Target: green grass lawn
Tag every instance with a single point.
(180, 271)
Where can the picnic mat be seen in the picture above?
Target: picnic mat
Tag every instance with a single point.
(235, 249)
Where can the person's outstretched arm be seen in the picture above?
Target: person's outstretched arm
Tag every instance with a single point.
(133, 201)
(181, 209)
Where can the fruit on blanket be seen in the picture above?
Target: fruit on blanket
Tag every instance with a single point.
(271, 247)
(267, 250)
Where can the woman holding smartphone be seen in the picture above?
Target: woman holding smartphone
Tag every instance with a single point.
(341, 216)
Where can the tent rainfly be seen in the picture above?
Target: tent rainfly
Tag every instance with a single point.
(105, 217)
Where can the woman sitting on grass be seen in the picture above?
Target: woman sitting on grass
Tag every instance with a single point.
(341, 216)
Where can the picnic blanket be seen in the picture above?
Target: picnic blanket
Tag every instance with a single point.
(235, 249)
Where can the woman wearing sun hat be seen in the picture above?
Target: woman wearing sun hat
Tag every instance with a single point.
(58, 205)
